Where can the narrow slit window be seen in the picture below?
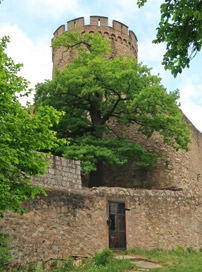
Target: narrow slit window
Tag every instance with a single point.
(98, 23)
(74, 24)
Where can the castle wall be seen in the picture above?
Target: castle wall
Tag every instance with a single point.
(74, 222)
(123, 41)
(180, 170)
(60, 173)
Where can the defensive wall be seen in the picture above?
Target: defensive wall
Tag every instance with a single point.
(61, 173)
(174, 170)
(73, 222)
(123, 41)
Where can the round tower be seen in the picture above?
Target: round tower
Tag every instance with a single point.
(123, 41)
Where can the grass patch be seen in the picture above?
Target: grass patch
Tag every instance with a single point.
(176, 260)
(101, 262)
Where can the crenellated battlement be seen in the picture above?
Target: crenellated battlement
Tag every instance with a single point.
(124, 41)
(96, 21)
(59, 31)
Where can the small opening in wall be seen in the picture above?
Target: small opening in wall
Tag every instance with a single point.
(110, 23)
(98, 23)
(74, 24)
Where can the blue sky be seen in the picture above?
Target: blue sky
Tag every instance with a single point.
(31, 23)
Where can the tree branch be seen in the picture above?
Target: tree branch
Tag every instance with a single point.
(79, 43)
(106, 116)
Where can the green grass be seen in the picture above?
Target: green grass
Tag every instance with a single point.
(176, 260)
(102, 262)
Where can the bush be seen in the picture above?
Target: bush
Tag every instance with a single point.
(103, 258)
(5, 254)
(68, 265)
(191, 250)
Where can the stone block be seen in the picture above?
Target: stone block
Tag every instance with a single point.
(51, 171)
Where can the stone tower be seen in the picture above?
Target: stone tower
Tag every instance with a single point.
(178, 170)
(123, 41)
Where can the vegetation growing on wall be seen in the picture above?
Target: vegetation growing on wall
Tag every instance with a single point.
(5, 251)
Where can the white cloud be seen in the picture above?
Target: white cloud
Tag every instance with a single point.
(150, 52)
(128, 9)
(35, 56)
(119, 8)
(189, 85)
(152, 11)
(190, 97)
(55, 8)
(151, 55)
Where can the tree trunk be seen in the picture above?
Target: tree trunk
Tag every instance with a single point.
(96, 178)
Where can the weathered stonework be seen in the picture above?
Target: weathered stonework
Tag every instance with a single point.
(74, 222)
(60, 173)
(180, 170)
(123, 42)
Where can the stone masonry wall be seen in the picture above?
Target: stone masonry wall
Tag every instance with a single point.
(60, 173)
(65, 223)
(74, 222)
(177, 170)
(123, 42)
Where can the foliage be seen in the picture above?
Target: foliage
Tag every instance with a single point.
(175, 260)
(5, 254)
(22, 131)
(103, 258)
(101, 262)
(94, 91)
(180, 28)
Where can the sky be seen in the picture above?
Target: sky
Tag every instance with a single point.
(31, 24)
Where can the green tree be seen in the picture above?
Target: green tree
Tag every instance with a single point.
(180, 27)
(22, 131)
(95, 90)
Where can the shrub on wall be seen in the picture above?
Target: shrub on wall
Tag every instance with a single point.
(5, 248)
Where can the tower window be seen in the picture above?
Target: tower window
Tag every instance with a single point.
(98, 23)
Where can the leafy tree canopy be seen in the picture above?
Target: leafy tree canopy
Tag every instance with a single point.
(180, 28)
(95, 90)
(22, 131)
